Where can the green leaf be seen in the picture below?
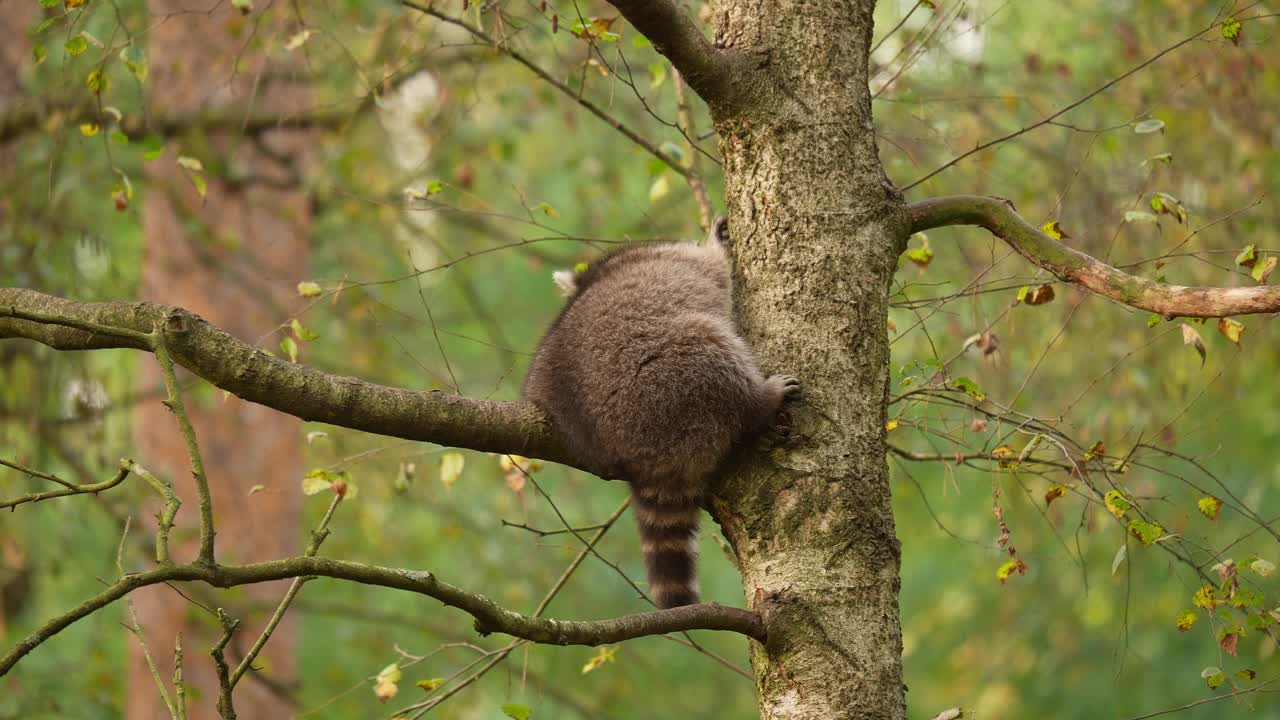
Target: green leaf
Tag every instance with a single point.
(1231, 29)
(76, 45)
(1164, 157)
(1147, 533)
(135, 59)
(309, 289)
(1148, 126)
(434, 187)
(97, 82)
(1116, 503)
(1213, 677)
(517, 711)
(451, 464)
(969, 387)
(119, 137)
(153, 147)
(39, 53)
(301, 332)
(1140, 216)
(289, 348)
(1205, 598)
(548, 210)
(640, 42)
(244, 6)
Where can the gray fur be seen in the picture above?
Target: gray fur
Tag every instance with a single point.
(646, 377)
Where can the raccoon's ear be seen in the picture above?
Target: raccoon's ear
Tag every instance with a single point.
(566, 280)
(719, 231)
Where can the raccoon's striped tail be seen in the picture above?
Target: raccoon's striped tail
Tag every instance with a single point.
(668, 537)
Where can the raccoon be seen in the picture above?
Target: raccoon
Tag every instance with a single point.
(646, 377)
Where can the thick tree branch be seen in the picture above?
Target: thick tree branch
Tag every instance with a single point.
(301, 391)
(999, 217)
(673, 33)
(490, 617)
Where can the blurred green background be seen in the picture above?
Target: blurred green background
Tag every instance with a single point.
(517, 161)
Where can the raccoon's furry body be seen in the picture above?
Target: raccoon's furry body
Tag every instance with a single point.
(645, 376)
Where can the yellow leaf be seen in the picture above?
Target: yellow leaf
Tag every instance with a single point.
(602, 656)
(429, 685)
(89, 129)
(1054, 230)
(309, 289)
(1263, 269)
(659, 188)
(312, 484)
(1209, 506)
(1186, 620)
(1231, 328)
(1009, 568)
(891, 425)
(451, 464)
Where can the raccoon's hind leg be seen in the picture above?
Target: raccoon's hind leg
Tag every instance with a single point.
(777, 390)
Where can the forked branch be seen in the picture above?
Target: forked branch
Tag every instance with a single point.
(999, 217)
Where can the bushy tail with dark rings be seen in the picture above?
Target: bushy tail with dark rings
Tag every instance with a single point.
(668, 536)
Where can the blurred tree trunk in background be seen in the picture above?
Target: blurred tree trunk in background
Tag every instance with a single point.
(15, 18)
(233, 257)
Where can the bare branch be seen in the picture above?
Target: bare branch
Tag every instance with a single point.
(490, 617)
(306, 393)
(1069, 265)
(68, 487)
(546, 77)
(1048, 119)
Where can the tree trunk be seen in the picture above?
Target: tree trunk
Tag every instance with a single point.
(233, 258)
(816, 231)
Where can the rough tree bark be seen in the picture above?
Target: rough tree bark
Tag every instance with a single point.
(816, 229)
